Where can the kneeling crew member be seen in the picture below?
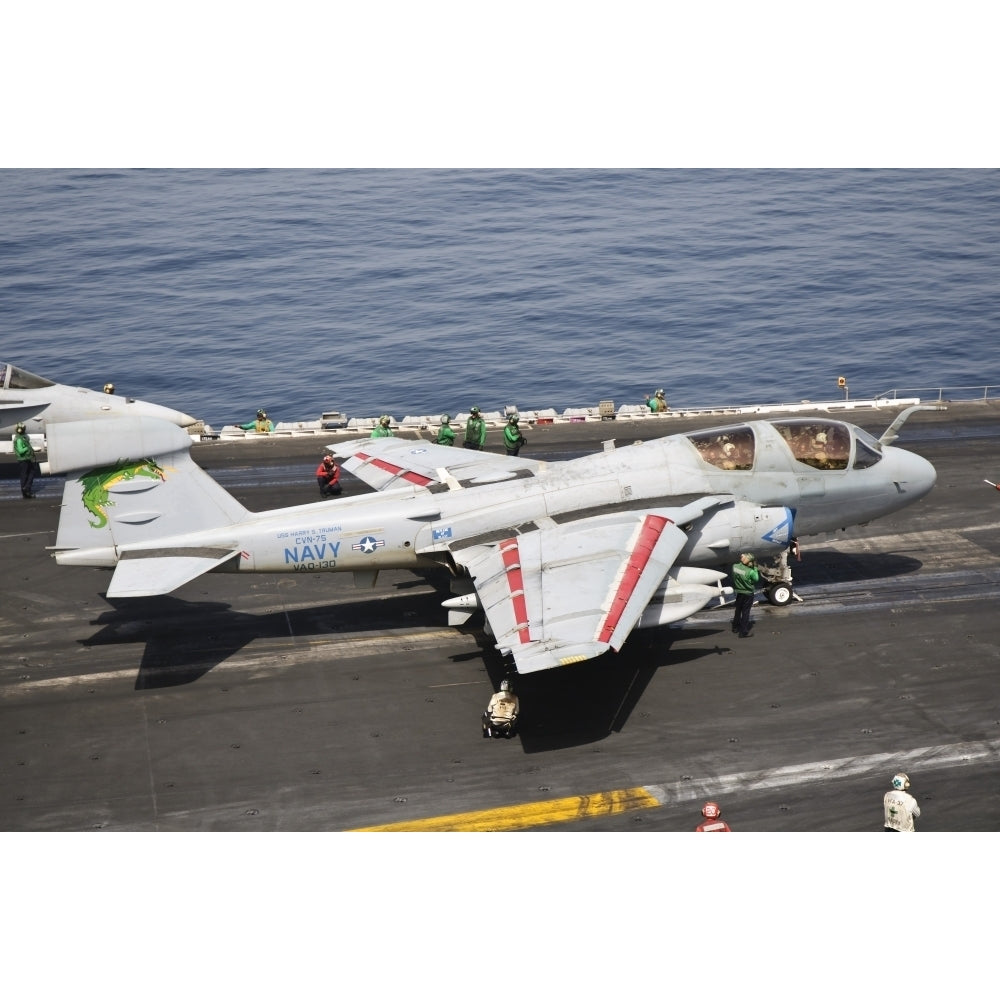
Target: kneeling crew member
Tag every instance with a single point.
(328, 477)
(500, 716)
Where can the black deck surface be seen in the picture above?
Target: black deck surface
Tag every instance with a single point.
(298, 703)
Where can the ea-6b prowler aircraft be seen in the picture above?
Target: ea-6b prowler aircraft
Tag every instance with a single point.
(38, 403)
(564, 558)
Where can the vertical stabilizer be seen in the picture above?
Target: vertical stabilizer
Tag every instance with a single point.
(130, 483)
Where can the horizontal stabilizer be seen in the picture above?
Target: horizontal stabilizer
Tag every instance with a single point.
(138, 575)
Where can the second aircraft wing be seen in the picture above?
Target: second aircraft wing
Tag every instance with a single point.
(387, 462)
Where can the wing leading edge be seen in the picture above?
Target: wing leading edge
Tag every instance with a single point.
(570, 592)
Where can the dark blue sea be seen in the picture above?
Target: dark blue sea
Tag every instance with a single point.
(414, 292)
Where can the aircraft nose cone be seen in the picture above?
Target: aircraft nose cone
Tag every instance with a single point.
(914, 474)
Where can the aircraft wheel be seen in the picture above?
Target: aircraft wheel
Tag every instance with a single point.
(780, 594)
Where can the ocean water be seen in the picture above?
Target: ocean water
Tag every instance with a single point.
(415, 292)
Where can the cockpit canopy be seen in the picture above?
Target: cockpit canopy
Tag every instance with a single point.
(12, 377)
(729, 448)
(819, 444)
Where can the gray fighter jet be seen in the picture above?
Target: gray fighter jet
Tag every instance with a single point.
(564, 558)
(37, 403)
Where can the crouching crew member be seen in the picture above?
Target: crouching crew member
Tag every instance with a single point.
(328, 477)
(500, 716)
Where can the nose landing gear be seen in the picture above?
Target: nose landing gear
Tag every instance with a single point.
(778, 588)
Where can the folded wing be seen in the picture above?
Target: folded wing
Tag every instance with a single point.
(385, 463)
(569, 592)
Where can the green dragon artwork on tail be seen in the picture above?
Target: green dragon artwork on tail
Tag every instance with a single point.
(98, 482)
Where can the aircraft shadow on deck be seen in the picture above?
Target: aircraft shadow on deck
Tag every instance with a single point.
(185, 639)
(579, 704)
(587, 702)
(827, 566)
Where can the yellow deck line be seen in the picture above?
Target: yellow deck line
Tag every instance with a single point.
(528, 814)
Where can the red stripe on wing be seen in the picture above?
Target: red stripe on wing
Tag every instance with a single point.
(649, 535)
(396, 470)
(511, 557)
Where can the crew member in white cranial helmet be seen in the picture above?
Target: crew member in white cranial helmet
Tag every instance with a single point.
(901, 807)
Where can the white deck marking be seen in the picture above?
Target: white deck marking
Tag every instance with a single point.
(267, 659)
(775, 779)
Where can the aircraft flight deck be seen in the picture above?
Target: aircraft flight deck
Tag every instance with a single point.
(297, 701)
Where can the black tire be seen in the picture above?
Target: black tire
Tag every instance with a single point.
(780, 594)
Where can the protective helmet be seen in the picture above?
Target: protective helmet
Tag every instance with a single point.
(746, 555)
(19, 429)
(711, 810)
(384, 419)
(109, 387)
(659, 392)
(505, 685)
(328, 459)
(900, 782)
(474, 410)
(261, 414)
(445, 418)
(513, 418)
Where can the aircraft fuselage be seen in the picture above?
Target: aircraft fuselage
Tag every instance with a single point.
(774, 500)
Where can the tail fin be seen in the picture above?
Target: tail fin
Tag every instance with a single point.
(130, 483)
